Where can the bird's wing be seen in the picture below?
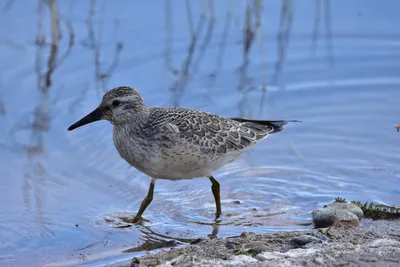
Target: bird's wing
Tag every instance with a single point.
(211, 133)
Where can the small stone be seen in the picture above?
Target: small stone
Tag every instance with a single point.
(302, 240)
(329, 214)
(196, 241)
(238, 202)
(257, 247)
(231, 245)
(135, 262)
(244, 234)
(172, 243)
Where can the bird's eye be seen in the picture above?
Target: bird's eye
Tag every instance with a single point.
(116, 103)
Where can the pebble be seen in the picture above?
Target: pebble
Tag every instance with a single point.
(231, 245)
(244, 234)
(302, 240)
(135, 262)
(338, 214)
(196, 241)
(172, 243)
(257, 247)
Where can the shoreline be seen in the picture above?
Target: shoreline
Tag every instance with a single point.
(373, 243)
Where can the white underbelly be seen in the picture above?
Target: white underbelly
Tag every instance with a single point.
(188, 167)
(172, 163)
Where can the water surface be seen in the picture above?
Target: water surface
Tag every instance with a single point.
(332, 64)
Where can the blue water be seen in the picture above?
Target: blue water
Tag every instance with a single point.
(332, 64)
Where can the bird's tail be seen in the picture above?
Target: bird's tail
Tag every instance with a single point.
(276, 125)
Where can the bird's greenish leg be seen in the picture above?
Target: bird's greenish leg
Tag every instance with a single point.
(145, 203)
(217, 197)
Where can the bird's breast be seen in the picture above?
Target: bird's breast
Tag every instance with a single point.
(134, 148)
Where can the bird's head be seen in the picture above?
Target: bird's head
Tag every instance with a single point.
(118, 105)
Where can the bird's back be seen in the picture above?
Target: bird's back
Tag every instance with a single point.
(210, 131)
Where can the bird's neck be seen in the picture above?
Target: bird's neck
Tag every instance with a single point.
(138, 119)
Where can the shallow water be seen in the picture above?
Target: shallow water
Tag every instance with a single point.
(332, 64)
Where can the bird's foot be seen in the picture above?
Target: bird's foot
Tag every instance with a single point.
(137, 219)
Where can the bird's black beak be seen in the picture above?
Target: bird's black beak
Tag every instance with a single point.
(93, 116)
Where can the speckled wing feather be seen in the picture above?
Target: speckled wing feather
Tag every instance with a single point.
(211, 133)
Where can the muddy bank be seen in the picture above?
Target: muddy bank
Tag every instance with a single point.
(374, 243)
